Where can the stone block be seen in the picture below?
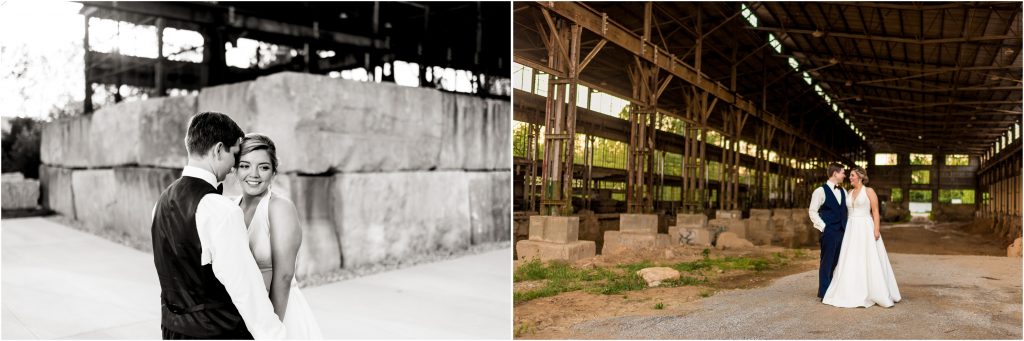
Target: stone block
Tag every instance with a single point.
(654, 276)
(395, 216)
(1014, 250)
(783, 231)
(554, 229)
(337, 124)
(476, 133)
(728, 214)
(759, 231)
(20, 193)
(638, 223)
(618, 242)
(691, 220)
(136, 191)
(65, 142)
(148, 133)
(689, 236)
(729, 240)
(737, 226)
(96, 198)
(489, 206)
(320, 251)
(55, 189)
(547, 251)
(500, 133)
(12, 176)
(759, 213)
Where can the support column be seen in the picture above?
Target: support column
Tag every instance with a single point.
(563, 44)
(532, 155)
(694, 175)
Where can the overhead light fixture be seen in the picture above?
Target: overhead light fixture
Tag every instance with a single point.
(849, 82)
(818, 34)
(919, 137)
(833, 60)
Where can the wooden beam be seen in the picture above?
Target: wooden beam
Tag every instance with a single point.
(893, 39)
(626, 39)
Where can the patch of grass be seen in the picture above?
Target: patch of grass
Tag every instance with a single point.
(522, 329)
(561, 277)
(659, 306)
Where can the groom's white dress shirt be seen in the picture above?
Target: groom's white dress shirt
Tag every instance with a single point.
(225, 244)
(818, 199)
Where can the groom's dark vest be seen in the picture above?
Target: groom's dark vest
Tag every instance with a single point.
(194, 302)
(833, 213)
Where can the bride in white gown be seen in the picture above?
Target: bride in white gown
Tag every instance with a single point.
(863, 276)
(274, 235)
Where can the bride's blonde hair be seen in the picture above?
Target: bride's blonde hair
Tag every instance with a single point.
(863, 174)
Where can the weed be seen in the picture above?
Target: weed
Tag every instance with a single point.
(522, 329)
(659, 306)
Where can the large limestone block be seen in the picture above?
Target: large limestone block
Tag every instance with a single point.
(55, 188)
(737, 226)
(698, 220)
(95, 198)
(547, 251)
(320, 251)
(148, 133)
(760, 213)
(65, 142)
(395, 216)
(729, 240)
(783, 231)
(554, 229)
(618, 242)
(137, 191)
(20, 193)
(500, 133)
(689, 236)
(489, 206)
(324, 124)
(12, 176)
(759, 231)
(1014, 250)
(476, 133)
(638, 223)
(728, 214)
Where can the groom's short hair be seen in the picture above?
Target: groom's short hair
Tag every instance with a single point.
(833, 168)
(207, 128)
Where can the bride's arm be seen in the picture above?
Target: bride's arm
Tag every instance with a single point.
(285, 238)
(874, 211)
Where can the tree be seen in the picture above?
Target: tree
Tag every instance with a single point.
(21, 147)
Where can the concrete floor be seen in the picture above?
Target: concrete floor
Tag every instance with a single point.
(58, 283)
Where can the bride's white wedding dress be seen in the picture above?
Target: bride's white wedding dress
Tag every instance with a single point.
(298, 318)
(863, 276)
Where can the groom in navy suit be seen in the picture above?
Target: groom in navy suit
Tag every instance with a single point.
(828, 214)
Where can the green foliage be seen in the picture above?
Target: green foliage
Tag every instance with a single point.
(921, 159)
(897, 195)
(659, 306)
(965, 195)
(957, 160)
(920, 195)
(522, 329)
(21, 147)
(920, 177)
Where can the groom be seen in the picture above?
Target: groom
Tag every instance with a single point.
(828, 213)
(210, 286)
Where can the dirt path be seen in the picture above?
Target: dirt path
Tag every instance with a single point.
(947, 295)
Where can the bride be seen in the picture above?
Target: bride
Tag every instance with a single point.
(863, 276)
(274, 235)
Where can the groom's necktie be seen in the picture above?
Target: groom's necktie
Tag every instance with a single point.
(220, 189)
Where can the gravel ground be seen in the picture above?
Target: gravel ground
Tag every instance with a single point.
(944, 297)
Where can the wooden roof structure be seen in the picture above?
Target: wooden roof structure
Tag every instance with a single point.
(947, 72)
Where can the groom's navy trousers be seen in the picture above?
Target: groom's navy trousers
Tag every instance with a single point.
(833, 213)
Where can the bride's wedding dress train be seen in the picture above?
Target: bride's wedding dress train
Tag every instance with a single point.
(863, 276)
